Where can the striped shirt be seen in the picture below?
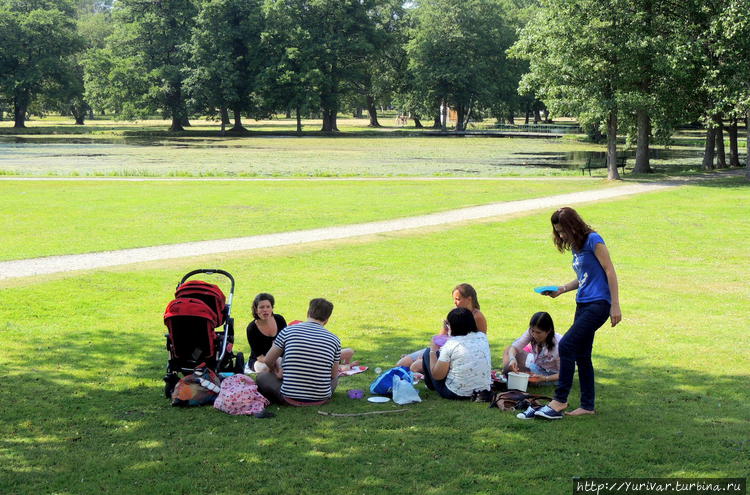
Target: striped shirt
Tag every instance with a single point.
(310, 352)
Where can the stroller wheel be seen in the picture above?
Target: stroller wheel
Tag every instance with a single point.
(170, 380)
(239, 364)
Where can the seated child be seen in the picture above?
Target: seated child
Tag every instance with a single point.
(542, 360)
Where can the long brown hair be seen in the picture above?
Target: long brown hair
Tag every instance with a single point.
(467, 290)
(575, 229)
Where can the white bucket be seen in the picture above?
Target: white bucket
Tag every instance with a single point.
(518, 381)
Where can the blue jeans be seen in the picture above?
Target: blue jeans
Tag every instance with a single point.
(575, 348)
(436, 385)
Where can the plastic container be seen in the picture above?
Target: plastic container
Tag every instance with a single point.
(518, 381)
(440, 339)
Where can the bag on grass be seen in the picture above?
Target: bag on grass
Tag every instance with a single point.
(404, 392)
(196, 389)
(239, 395)
(515, 399)
(383, 384)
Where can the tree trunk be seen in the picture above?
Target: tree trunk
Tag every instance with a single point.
(224, 116)
(546, 116)
(511, 117)
(79, 109)
(444, 116)
(329, 120)
(19, 116)
(185, 122)
(460, 117)
(299, 119)
(734, 152)
(373, 112)
(642, 163)
(436, 124)
(537, 116)
(288, 113)
(612, 173)
(237, 127)
(176, 124)
(708, 151)
(721, 156)
(526, 121)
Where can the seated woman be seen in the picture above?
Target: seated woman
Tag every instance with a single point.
(262, 331)
(462, 366)
(464, 296)
(543, 360)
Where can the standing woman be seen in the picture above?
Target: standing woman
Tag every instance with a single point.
(262, 331)
(597, 299)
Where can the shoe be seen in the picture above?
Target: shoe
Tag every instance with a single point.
(527, 414)
(264, 414)
(547, 412)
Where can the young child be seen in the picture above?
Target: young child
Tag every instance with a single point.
(535, 352)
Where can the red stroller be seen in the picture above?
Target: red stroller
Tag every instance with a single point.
(192, 317)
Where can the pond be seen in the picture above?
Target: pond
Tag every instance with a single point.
(314, 156)
(576, 159)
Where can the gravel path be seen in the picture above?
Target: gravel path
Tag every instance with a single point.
(89, 261)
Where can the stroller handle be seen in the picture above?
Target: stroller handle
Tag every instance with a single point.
(209, 271)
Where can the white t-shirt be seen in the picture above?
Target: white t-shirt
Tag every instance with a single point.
(470, 363)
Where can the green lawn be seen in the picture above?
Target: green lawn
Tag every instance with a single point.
(42, 218)
(83, 357)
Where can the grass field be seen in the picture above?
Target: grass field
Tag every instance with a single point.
(83, 216)
(83, 357)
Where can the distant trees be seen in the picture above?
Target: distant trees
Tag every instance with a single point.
(38, 41)
(649, 64)
(638, 67)
(142, 67)
(226, 58)
(457, 53)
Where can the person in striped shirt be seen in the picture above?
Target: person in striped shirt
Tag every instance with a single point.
(310, 361)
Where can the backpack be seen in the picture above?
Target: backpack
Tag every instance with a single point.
(515, 399)
(196, 389)
(383, 384)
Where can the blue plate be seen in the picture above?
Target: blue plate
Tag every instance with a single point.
(545, 288)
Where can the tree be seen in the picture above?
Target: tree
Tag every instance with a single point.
(578, 60)
(226, 57)
(37, 41)
(287, 80)
(332, 37)
(457, 53)
(141, 69)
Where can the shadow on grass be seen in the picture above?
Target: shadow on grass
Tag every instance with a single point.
(88, 416)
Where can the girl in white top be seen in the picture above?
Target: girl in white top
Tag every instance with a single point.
(543, 359)
(462, 365)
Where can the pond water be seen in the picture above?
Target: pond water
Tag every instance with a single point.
(261, 156)
(575, 159)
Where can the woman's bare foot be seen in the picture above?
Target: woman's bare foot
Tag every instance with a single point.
(580, 412)
(558, 406)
